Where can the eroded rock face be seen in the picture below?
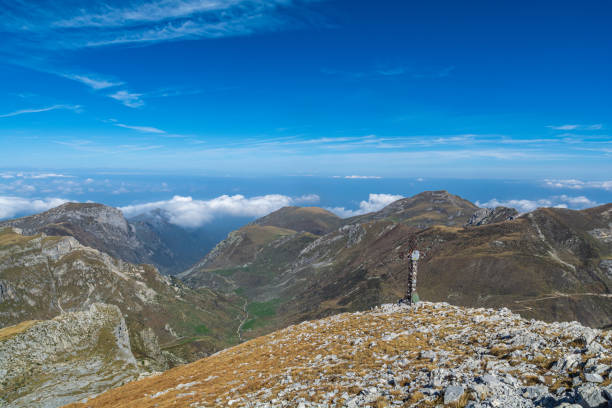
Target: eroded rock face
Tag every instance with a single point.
(484, 216)
(45, 276)
(71, 357)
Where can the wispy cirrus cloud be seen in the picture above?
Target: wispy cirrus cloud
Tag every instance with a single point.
(75, 108)
(129, 99)
(93, 81)
(116, 22)
(143, 129)
(596, 126)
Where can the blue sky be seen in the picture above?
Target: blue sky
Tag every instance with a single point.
(327, 88)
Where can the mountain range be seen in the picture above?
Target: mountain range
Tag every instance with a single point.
(550, 264)
(146, 238)
(295, 264)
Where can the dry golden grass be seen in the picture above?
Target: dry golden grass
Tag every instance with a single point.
(317, 356)
(11, 331)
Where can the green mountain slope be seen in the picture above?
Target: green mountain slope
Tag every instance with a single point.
(315, 220)
(551, 264)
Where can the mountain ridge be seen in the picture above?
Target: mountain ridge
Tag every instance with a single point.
(543, 264)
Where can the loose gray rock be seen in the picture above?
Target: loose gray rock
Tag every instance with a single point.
(590, 396)
(593, 377)
(453, 394)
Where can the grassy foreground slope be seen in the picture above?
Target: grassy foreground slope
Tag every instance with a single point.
(428, 355)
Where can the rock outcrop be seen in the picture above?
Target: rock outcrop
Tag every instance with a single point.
(427, 355)
(44, 276)
(73, 356)
(484, 216)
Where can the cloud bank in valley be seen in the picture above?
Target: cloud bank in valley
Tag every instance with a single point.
(375, 202)
(11, 206)
(188, 212)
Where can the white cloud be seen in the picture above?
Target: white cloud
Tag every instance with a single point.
(38, 110)
(97, 24)
(129, 99)
(524, 206)
(596, 126)
(307, 199)
(375, 202)
(187, 212)
(144, 129)
(151, 11)
(579, 184)
(11, 206)
(45, 176)
(93, 82)
(20, 176)
(362, 177)
(578, 202)
(563, 127)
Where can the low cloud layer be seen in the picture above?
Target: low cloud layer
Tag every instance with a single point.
(359, 177)
(11, 206)
(579, 184)
(187, 212)
(523, 206)
(375, 202)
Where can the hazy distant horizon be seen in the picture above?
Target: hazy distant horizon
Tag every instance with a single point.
(195, 201)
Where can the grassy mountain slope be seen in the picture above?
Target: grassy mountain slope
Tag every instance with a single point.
(315, 220)
(544, 265)
(423, 210)
(43, 276)
(551, 264)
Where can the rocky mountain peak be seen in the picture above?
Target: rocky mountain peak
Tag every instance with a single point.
(434, 198)
(424, 210)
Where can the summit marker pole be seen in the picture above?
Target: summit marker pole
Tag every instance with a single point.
(412, 272)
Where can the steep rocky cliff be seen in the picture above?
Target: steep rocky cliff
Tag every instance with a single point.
(75, 355)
